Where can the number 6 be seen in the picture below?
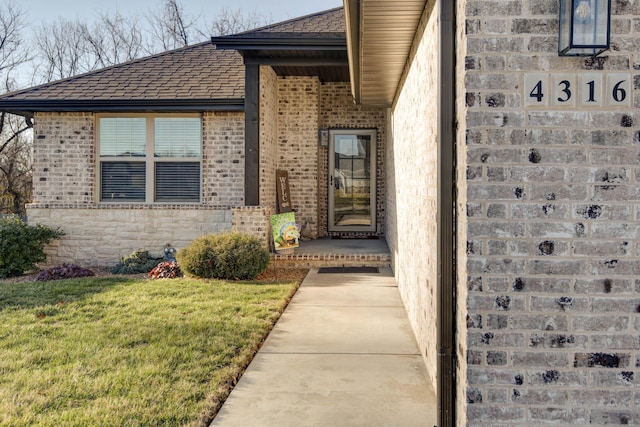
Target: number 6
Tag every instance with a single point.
(618, 93)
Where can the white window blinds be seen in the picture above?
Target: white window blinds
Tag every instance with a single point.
(150, 159)
(123, 136)
(177, 137)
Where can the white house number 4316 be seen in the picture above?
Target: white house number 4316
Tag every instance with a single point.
(577, 90)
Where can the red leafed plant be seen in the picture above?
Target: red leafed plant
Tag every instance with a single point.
(166, 270)
(64, 271)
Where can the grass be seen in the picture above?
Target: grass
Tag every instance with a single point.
(128, 352)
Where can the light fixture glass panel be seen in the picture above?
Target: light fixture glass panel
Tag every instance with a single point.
(584, 27)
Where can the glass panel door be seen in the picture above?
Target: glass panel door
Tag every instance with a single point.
(352, 183)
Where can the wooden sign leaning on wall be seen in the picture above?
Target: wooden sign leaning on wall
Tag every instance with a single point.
(282, 191)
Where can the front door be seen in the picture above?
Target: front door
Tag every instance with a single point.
(352, 180)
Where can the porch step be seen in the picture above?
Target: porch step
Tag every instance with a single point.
(326, 252)
(306, 260)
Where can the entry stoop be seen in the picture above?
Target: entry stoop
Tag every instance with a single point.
(326, 252)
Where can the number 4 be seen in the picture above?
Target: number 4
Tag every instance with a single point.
(536, 92)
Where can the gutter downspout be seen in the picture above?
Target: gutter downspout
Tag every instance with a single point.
(447, 216)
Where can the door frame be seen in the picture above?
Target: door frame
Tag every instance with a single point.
(373, 134)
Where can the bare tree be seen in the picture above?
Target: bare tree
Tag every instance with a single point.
(171, 28)
(67, 48)
(15, 164)
(63, 49)
(15, 152)
(114, 39)
(12, 51)
(230, 21)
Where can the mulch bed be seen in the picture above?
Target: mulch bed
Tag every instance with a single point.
(271, 274)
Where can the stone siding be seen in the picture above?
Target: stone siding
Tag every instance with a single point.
(101, 234)
(411, 203)
(552, 221)
(338, 111)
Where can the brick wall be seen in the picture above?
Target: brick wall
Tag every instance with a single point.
(63, 158)
(411, 172)
(223, 158)
(254, 220)
(338, 111)
(268, 135)
(98, 233)
(298, 144)
(552, 222)
(462, 225)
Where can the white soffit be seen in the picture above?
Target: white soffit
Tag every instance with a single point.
(380, 34)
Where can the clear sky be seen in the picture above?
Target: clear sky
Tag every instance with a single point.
(280, 10)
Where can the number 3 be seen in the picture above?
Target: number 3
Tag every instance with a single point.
(566, 91)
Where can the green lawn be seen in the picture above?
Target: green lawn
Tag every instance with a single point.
(128, 352)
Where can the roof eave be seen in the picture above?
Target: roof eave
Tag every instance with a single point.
(352, 18)
(285, 43)
(370, 25)
(28, 107)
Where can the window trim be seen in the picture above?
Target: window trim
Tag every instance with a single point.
(149, 159)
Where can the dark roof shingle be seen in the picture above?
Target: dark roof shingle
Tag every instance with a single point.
(193, 72)
(325, 24)
(189, 77)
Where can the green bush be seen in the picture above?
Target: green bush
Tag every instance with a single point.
(21, 245)
(138, 262)
(224, 256)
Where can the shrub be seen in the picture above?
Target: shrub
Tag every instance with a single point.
(166, 270)
(224, 256)
(22, 245)
(64, 271)
(138, 262)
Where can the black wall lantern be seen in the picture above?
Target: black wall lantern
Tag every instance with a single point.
(584, 27)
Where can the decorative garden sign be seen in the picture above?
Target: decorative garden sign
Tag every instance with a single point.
(285, 231)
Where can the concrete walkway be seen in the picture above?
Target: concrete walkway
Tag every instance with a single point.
(342, 354)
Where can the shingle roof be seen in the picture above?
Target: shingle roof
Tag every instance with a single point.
(187, 78)
(329, 23)
(312, 45)
(190, 73)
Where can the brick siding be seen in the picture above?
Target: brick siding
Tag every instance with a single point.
(98, 233)
(268, 135)
(298, 144)
(254, 220)
(223, 158)
(64, 158)
(551, 234)
(411, 172)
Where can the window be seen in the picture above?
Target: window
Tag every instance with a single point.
(150, 158)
